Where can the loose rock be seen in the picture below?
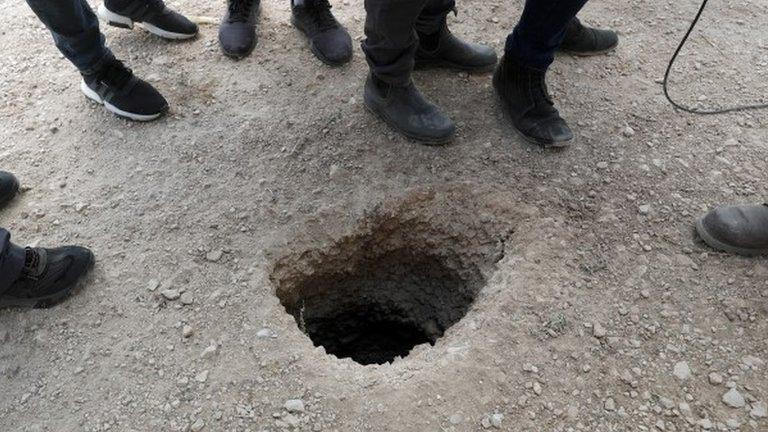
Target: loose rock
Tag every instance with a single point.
(734, 399)
(294, 406)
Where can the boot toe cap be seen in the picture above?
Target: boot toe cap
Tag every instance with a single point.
(333, 47)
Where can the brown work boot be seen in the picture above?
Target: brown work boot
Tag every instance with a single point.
(740, 229)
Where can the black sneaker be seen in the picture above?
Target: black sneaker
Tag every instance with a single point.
(153, 15)
(443, 49)
(9, 187)
(121, 93)
(523, 93)
(586, 41)
(237, 33)
(329, 41)
(49, 276)
(404, 109)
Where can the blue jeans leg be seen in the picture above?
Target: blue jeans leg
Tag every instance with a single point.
(541, 31)
(11, 261)
(75, 30)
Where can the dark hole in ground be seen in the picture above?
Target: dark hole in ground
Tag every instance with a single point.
(383, 307)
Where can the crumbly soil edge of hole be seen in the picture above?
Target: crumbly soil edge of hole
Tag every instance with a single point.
(411, 266)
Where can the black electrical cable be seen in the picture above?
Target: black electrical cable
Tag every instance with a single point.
(672, 63)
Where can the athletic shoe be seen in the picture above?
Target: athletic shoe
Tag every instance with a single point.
(122, 93)
(153, 15)
(49, 276)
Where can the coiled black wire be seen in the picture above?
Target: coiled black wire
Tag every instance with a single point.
(693, 110)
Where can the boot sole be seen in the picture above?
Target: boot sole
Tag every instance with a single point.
(428, 141)
(314, 49)
(116, 20)
(92, 95)
(53, 299)
(718, 245)
(556, 145)
(590, 53)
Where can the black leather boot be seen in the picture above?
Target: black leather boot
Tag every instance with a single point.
(237, 33)
(443, 49)
(9, 187)
(523, 92)
(740, 229)
(407, 111)
(329, 41)
(586, 41)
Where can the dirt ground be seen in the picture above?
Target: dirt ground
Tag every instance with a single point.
(605, 313)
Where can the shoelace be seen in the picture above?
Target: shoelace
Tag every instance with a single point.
(115, 74)
(240, 10)
(31, 262)
(322, 17)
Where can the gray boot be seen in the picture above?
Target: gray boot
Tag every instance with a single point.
(740, 229)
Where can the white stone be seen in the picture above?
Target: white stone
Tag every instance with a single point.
(202, 376)
(294, 406)
(715, 378)
(598, 330)
(171, 294)
(759, 410)
(682, 371)
(734, 399)
(496, 420)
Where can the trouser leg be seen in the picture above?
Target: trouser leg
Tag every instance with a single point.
(75, 30)
(11, 261)
(432, 16)
(391, 40)
(541, 31)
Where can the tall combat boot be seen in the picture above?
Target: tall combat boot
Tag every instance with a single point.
(524, 94)
(404, 109)
(329, 41)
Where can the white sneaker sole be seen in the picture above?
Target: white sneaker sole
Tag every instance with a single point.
(92, 95)
(116, 20)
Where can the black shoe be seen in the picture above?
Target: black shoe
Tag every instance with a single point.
(9, 187)
(153, 15)
(741, 230)
(329, 41)
(443, 49)
(585, 41)
(49, 276)
(523, 92)
(405, 109)
(237, 34)
(114, 86)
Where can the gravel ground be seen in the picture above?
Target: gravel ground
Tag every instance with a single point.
(604, 314)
